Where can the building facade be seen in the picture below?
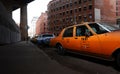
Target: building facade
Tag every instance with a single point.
(118, 11)
(63, 13)
(106, 9)
(32, 29)
(41, 24)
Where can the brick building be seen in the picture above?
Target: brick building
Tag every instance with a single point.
(62, 13)
(118, 11)
(41, 24)
(107, 9)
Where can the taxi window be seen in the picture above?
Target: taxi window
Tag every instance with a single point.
(98, 29)
(81, 30)
(68, 32)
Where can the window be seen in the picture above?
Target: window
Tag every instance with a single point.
(82, 30)
(116, 14)
(75, 3)
(47, 35)
(80, 2)
(80, 17)
(71, 11)
(63, 20)
(63, 13)
(67, 12)
(117, 3)
(60, 14)
(68, 32)
(85, 19)
(116, 8)
(76, 10)
(79, 9)
(67, 5)
(85, 0)
(78, 31)
(67, 19)
(90, 6)
(85, 8)
(63, 7)
(90, 16)
(71, 4)
(98, 29)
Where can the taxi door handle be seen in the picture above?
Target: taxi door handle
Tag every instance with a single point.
(82, 38)
(76, 38)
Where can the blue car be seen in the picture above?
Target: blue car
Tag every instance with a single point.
(44, 39)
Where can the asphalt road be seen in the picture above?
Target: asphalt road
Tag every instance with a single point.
(25, 58)
(82, 64)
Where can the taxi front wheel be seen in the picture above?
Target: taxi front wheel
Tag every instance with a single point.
(117, 60)
(60, 49)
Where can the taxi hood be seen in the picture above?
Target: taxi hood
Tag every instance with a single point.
(115, 34)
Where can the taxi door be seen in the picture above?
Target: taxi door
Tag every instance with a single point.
(70, 41)
(90, 42)
(67, 37)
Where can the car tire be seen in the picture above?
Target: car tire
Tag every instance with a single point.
(60, 49)
(117, 60)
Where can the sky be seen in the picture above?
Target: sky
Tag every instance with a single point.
(34, 9)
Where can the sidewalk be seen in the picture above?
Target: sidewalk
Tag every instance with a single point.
(26, 58)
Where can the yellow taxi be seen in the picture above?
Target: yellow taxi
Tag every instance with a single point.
(90, 38)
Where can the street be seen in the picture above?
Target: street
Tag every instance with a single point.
(83, 64)
(26, 58)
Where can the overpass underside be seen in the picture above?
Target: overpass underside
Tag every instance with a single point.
(9, 31)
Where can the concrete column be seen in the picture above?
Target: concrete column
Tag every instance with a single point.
(23, 22)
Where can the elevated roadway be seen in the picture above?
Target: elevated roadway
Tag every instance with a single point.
(9, 31)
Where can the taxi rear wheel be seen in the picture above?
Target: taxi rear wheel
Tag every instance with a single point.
(60, 49)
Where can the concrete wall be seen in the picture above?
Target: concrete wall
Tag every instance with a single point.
(9, 31)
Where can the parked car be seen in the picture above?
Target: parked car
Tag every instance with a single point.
(91, 39)
(45, 38)
(34, 39)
